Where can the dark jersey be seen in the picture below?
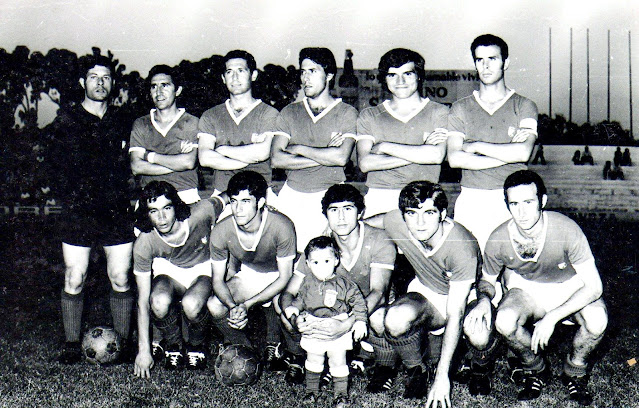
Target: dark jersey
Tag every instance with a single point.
(90, 158)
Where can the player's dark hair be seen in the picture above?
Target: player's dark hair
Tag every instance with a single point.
(152, 192)
(248, 180)
(486, 40)
(339, 193)
(397, 57)
(88, 62)
(416, 192)
(246, 56)
(320, 55)
(323, 57)
(322, 242)
(174, 73)
(524, 178)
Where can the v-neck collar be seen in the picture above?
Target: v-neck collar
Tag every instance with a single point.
(238, 119)
(314, 118)
(485, 106)
(448, 227)
(405, 119)
(259, 232)
(185, 225)
(512, 229)
(358, 248)
(156, 125)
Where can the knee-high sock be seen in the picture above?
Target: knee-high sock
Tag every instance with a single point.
(122, 311)
(197, 327)
(312, 381)
(72, 306)
(409, 348)
(485, 357)
(157, 334)
(573, 370)
(385, 354)
(231, 335)
(292, 341)
(272, 325)
(434, 348)
(340, 380)
(170, 327)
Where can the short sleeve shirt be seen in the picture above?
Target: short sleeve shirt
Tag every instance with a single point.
(275, 240)
(193, 251)
(375, 249)
(476, 123)
(230, 130)
(563, 246)
(455, 258)
(147, 135)
(381, 124)
(298, 123)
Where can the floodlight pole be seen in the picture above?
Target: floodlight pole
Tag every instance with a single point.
(570, 82)
(608, 117)
(630, 80)
(550, 72)
(587, 75)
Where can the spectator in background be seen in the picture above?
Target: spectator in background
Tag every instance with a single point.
(586, 157)
(539, 156)
(618, 156)
(625, 158)
(576, 158)
(606, 170)
(616, 173)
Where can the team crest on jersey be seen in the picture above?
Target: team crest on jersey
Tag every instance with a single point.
(330, 297)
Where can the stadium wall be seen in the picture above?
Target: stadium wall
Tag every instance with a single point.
(579, 190)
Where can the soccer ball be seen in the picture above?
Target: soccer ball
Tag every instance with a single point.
(101, 345)
(237, 365)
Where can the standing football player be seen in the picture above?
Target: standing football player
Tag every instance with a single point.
(550, 276)
(172, 265)
(89, 154)
(237, 134)
(262, 242)
(492, 134)
(402, 139)
(313, 141)
(164, 142)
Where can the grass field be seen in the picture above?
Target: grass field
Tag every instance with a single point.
(31, 275)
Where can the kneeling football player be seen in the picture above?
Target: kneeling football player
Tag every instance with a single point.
(550, 276)
(252, 255)
(446, 259)
(172, 264)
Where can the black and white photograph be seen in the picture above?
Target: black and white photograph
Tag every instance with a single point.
(279, 203)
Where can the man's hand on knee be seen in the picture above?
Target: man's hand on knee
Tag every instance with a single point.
(479, 318)
(544, 329)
